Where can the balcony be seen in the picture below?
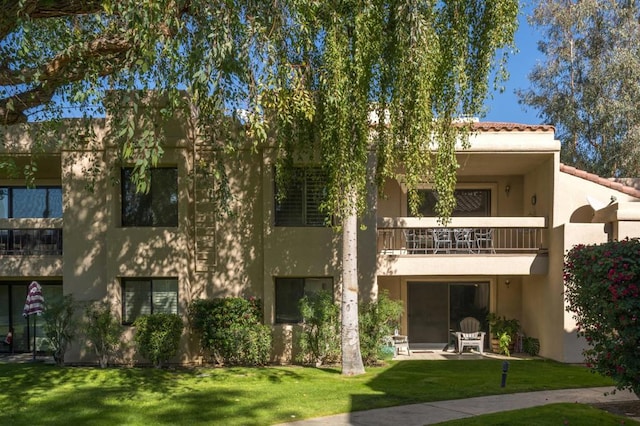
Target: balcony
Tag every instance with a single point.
(468, 236)
(31, 237)
(467, 245)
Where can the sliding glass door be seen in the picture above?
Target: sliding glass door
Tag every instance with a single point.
(434, 309)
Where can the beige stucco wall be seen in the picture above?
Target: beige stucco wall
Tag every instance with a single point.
(544, 309)
(249, 251)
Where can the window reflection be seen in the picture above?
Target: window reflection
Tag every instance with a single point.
(158, 207)
(469, 203)
(23, 202)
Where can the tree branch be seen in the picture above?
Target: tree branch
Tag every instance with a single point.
(10, 10)
(60, 70)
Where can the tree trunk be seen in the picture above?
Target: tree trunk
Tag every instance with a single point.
(351, 357)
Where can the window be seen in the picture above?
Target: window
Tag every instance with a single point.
(469, 202)
(304, 192)
(22, 202)
(158, 207)
(12, 298)
(144, 296)
(289, 291)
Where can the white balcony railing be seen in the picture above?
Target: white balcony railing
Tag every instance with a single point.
(481, 235)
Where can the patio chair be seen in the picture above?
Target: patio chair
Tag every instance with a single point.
(416, 240)
(470, 335)
(484, 240)
(441, 240)
(464, 239)
(401, 343)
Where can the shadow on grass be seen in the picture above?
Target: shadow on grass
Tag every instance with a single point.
(49, 395)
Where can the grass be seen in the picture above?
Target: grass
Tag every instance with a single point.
(552, 414)
(256, 396)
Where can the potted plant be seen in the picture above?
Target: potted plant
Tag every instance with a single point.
(504, 332)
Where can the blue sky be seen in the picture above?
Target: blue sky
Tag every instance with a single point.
(504, 106)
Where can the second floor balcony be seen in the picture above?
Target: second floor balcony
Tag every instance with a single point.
(462, 236)
(31, 237)
(412, 246)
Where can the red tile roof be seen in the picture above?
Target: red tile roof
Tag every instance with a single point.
(489, 126)
(617, 186)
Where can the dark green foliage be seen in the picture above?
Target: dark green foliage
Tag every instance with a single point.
(378, 320)
(60, 325)
(505, 330)
(603, 292)
(531, 345)
(320, 339)
(103, 331)
(232, 330)
(158, 336)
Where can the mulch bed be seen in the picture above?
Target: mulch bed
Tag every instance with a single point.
(622, 408)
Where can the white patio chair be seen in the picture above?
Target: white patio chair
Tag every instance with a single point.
(470, 335)
(464, 239)
(484, 240)
(441, 240)
(416, 240)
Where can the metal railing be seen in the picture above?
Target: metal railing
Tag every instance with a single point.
(403, 237)
(31, 242)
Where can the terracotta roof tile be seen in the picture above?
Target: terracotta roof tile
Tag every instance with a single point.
(617, 186)
(490, 126)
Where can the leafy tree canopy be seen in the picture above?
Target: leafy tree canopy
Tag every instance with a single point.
(587, 84)
(322, 69)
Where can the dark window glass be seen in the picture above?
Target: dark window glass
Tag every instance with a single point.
(148, 296)
(304, 193)
(469, 202)
(158, 207)
(22, 202)
(12, 299)
(289, 291)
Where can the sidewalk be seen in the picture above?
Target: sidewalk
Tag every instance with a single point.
(440, 411)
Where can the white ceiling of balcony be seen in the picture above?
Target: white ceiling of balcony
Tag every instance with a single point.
(478, 164)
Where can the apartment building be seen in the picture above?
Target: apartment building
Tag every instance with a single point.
(84, 230)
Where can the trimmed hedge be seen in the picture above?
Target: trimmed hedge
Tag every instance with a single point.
(157, 336)
(232, 330)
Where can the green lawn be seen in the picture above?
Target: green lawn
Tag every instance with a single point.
(256, 396)
(552, 414)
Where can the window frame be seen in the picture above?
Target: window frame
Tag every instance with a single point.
(128, 220)
(150, 280)
(278, 310)
(9, 204)
(308, 197)
(491, 188)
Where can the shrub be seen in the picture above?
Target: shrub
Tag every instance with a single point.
(319, 341)
(60, 325)
(103, 331)
(157, 336)
(232, 330)
(504, 330)
(603, 292)
(531, 345)
(377, 320)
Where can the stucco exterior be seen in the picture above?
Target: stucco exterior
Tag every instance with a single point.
(538, 210)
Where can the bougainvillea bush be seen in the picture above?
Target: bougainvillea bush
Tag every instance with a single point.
(603, 291)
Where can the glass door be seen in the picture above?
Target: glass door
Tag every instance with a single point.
(434, 309)
(468, 300)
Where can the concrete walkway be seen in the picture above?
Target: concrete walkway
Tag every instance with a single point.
(440, 411)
